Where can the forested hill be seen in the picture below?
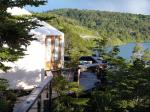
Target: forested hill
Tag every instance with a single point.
(123, 26)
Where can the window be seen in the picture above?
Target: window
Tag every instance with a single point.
(56, 55)
(48, 49)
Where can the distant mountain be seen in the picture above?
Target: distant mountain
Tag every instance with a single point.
(117, 27)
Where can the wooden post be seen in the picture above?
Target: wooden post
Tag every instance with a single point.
(46, 100)
(50, 96)
(42, 73)
(47, 92)
(60, 72)
(39, 105)
(99, 72)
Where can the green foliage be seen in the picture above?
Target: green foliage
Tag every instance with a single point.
(100, 45)
(4, 4)
(137, 51)
(3, 105)
(101, 101)
(114, 52)
(139, 64)
(7, 100)
(7, 97)
(128, 88)
(3, 84)
(117, 27)
(65, 102)
(138, 48)
(146, 55)
(14, 37)
(75, 45)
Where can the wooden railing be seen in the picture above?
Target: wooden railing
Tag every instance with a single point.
(35, 98)
(40, 98)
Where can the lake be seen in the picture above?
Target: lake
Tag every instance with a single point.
(126, 50)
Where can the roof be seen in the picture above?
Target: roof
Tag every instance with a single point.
(44, 29)
(87, 58)
(18, 11)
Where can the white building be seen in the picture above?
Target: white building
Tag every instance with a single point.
(45, 53)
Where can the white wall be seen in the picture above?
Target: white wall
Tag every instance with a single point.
(25, 73)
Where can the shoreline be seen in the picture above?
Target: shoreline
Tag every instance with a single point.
(124, 43)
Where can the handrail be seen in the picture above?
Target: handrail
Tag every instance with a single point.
(29, 102)
(36, 94)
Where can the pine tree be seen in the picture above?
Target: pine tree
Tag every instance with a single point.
(14, 37)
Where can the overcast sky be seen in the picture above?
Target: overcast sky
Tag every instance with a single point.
(130, 6)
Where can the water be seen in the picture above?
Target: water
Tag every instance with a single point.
(126, 50)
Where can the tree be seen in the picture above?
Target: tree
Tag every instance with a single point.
(138, 48)
(146, 55)
(137, 51)
(100, 45)
(119, 27)
(68, 92)
(7, 97)
(115, 51)
(75, 46)
(14, 37)
(128, 90)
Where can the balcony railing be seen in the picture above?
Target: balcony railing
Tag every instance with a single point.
(41, 97)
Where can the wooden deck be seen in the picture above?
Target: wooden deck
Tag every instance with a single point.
(88, 80)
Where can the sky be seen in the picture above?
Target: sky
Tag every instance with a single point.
(129, 6)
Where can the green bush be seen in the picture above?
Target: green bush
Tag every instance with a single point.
(7, 97)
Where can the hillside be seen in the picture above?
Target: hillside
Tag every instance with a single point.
(61, 23)
(117, 27)
(74, 33)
